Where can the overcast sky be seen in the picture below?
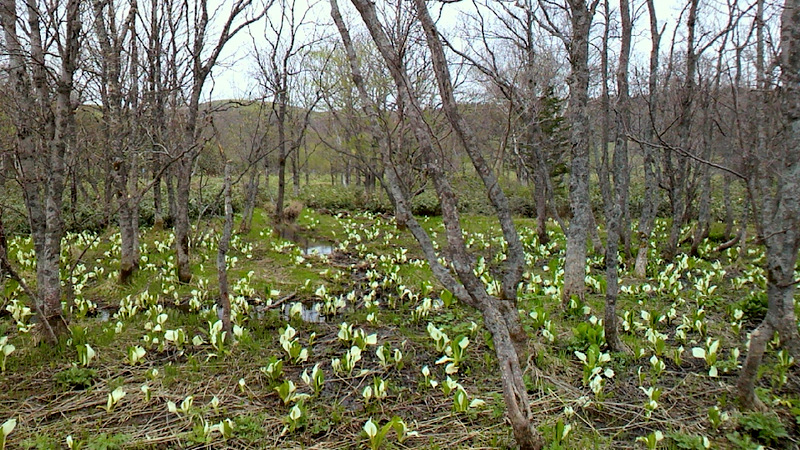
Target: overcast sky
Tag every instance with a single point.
(235, 77)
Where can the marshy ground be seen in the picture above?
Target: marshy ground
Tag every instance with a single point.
(363, 309)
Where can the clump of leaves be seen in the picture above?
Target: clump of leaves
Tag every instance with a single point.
(250, 428)
(743, 442)
(6, 349)
(297, 418)
(376, 435)
(76, 378)
(107, 441)
(40, 442)
(753, 306)
(273, 370)
(588, 334)
(652, 439)
(689, 441)
(764, 427)
(558, 435)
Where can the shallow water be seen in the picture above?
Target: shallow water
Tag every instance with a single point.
(310, 315)
(319, 249)
(307, 245)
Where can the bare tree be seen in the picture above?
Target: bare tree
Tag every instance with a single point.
(615, 224)
(257, 158)
(525, 80)
(224, 300)
(774, 186)
(500, 314)
(710, 107)
(281, 67)
(120, 119)
(650, 200)
(155, 97)
(581, 13)
(201, 58)
(603, 165)
(343, 126)
(44, 132)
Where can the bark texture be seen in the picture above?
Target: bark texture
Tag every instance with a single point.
(578, 231)
(224, 301)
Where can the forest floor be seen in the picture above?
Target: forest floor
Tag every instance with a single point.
(343, 327)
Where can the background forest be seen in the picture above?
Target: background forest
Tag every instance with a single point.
(533, 224)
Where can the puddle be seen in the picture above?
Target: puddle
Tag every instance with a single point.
(100, 315)
(308, 246)
(309, 315)
(318, 250)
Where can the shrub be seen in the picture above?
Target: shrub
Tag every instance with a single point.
(292, 211)
(688, 441)
(329, 197)
(76, 378)
(426, 204)
(764, 427)
(521, 200)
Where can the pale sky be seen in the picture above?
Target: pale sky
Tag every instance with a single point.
(234, 78)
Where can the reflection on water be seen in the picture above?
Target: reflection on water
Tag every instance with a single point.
(308, 246)
(310, 315)
(318, 250)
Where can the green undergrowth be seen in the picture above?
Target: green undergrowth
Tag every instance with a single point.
(361, 348)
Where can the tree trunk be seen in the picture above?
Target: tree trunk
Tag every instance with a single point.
(251, 192)
(704, 208)
(224, 301)
(471, 290)
(677, 169)
(296, 172)
(62, 144)
(779, 210)
(201, 59)
(127, 232)
(620, 161)
(741, 236)
(117, 123)
(158, 207)
(183, 171)
(540, 195)
(746, 383)
(577, 233)
(603, 166)
(621, 173)
(45, 133)
(650, 200)
(108, 194)
(701, 232)
(282, 155)
(726, 194)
